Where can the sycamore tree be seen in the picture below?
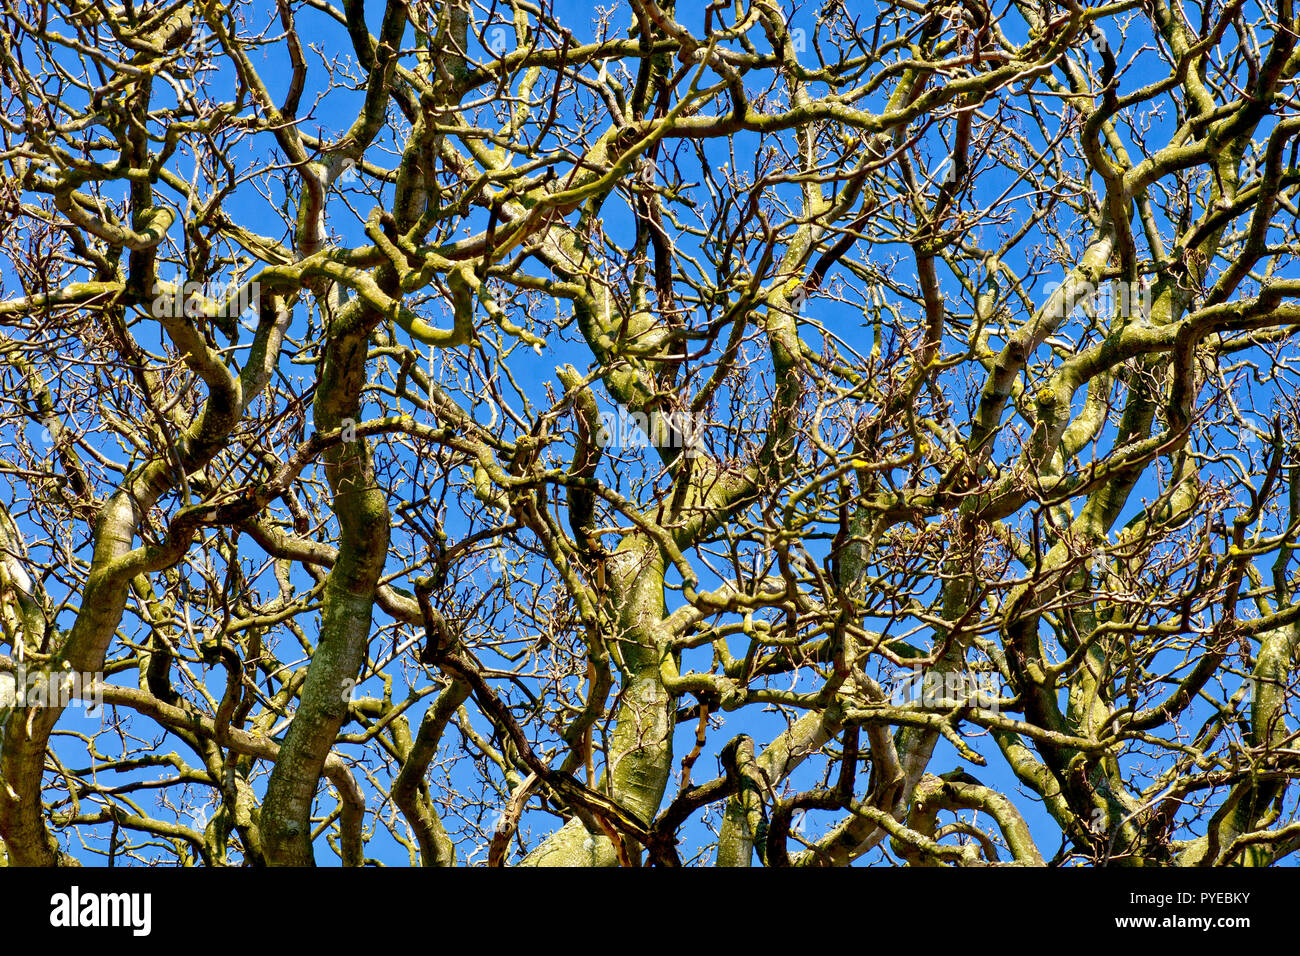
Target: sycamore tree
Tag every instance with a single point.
(528, 433)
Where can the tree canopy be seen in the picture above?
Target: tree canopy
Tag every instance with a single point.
(521, 433)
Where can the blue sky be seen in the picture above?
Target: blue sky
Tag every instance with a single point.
(533, 373)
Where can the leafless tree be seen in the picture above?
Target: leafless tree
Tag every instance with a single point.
(483, 432)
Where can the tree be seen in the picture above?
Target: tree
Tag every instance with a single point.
(501, 433)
